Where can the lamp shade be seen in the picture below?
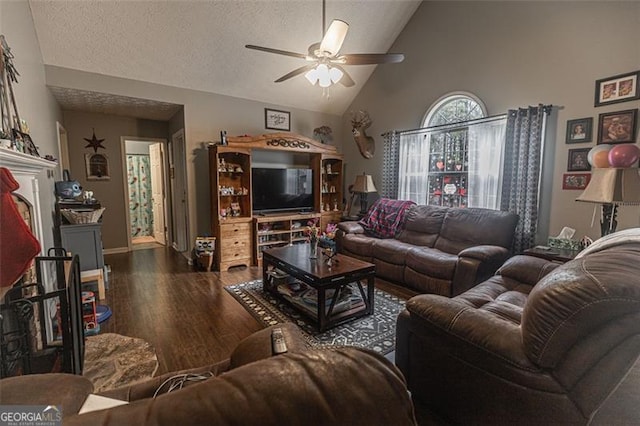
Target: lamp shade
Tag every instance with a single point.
(364, 184)
(613, 186)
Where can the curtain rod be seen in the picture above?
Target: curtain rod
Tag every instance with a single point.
(546, 108)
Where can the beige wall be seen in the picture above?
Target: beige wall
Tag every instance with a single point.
(510, 54)
(110, 193)
(35, 103)
(205, 114)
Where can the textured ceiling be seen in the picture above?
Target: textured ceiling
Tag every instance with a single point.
(81, 100)
(200, 44)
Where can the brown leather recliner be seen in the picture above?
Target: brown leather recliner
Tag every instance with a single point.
(537, 343)
(303, 386)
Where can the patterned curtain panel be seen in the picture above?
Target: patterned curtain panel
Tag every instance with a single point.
(390, 162)
(140, 206)
(522, 166)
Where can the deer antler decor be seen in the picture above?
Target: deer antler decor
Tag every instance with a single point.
(360, 121)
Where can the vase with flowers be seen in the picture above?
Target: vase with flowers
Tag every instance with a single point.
(313, 232)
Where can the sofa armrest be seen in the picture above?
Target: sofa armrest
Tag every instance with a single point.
(476, 264)
(351, 227)
(485, 253)
(258, 345)
(526, 269)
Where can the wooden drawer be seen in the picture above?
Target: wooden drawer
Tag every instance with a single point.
(236, 241)
(233, 230)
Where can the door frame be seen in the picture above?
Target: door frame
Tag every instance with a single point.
(179, 174)
(123, 150)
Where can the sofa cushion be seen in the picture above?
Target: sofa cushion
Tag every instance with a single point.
(358, 244)
(385, 218)
(422, 225)
(463, 228)
(432, 262)
(391, 251)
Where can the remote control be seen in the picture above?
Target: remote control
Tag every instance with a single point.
(278, 344)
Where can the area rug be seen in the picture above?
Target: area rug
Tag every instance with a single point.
(376, 332)
(112, 360)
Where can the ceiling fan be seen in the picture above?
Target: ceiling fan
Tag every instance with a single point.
(326, 61)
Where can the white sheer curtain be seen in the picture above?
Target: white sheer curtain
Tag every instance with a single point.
(413, 167)
(486, 156)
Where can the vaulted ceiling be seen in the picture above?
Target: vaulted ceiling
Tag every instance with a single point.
(200, 45)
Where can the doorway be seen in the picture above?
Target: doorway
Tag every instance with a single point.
(145, 187)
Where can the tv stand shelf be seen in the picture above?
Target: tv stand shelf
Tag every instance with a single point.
(273, 230)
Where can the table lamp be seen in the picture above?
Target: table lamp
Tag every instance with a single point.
(612, 187)
(363, 186)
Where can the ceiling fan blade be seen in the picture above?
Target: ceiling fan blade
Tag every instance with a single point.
(369, 58)
(334, 37)
(276, 51)
(295, 72)
(346, 79)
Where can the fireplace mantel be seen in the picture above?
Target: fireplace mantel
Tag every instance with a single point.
(25, 169)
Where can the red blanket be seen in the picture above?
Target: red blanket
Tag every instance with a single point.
(385, 218)
(18, 246)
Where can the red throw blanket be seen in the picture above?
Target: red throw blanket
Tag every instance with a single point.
(18, 246)
(385, 218)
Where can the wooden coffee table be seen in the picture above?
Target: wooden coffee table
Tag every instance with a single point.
(291, 265)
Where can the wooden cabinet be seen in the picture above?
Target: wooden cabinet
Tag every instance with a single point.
(241, 236)
(331, 189)
(279, 230)
(230, 170)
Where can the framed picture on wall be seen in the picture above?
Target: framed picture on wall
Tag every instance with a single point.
(619, 88)
(97, 166)
(277, 120)
(578, 160)
(579, 130)
(617, 127)
(575, 180)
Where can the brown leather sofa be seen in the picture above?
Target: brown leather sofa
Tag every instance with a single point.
(303, 386)
(537, 343)
(439, 250)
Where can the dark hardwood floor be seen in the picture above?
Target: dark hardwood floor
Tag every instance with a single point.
(185, 314)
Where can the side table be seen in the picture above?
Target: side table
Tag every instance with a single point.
(552, 254)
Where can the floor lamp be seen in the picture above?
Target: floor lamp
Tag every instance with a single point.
(612, 187)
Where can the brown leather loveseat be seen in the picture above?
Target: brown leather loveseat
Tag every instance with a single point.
(439, 250)
(342, 385)
(536, 344)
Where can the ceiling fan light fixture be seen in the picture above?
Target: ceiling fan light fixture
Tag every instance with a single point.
(312, 76)
(324, 79)
(335, 74)
(333, 39)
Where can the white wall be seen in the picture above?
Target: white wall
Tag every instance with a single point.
(510, 54)
(35, 103)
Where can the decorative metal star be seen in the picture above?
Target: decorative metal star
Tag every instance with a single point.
(94, 142)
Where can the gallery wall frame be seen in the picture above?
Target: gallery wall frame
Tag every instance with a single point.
(618, 88)
(277, 120)
(97, 166)
(579, 130)
(577, 161)
(617, 127)
(575, 180)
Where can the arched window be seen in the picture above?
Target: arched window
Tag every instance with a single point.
(441, 165)
(454, 108)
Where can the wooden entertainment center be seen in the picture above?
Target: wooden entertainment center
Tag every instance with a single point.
(241, 234)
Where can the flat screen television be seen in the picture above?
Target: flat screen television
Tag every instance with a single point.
(280, 189)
